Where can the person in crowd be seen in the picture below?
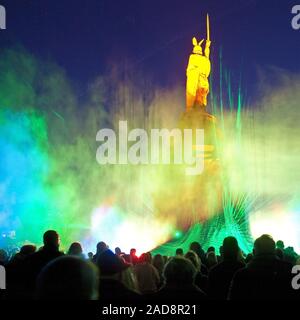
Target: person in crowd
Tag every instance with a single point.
(179, 274)
(179, 252)
(197, 248)
(290, 255)
(100, 248)
(159, 263)
(47, 274)
(39, 259)
(25, 251)
(133, 257)
(211, 249)
(211, 259)
(201, 280)
(280, 245)
(127, 258)
(118, 251)
(76, 250)
(220, 276)
(16, 272)
(129, 278)
(147, 275)
(68, 278)
(266, 277)
(90, 256)
(113, 286)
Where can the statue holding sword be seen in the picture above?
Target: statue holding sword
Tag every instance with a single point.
(198, 70)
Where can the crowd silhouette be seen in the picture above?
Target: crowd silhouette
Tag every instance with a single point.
(194, 276)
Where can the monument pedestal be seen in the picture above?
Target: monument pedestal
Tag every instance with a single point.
(195, 198)
(198, 118)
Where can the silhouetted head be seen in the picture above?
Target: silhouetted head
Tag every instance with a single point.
(193, 257)
(264, 245)
(111, 264)
(51, 239)
(230, 248)
(118, 251)
(211, 249)
(179, 271)
(101, 247)
(280, 244)
(132, 252)
(68, 278)
(91, 255)
(126, 258)
(179, 252)
(145, 257)
(211, 259)
(290, 255)
(142, 258)
(28, 249)
(196, 247)
(75, 249)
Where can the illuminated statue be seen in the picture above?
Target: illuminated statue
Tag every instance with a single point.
(198, 70)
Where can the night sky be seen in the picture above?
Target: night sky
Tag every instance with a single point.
(153, 37)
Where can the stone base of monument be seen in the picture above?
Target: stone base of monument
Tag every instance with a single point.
(196, 198)
(204, 192)
(198, 118)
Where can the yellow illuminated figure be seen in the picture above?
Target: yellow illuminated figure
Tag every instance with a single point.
(198, 70)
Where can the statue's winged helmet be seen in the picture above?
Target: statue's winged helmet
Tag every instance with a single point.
(197, 46)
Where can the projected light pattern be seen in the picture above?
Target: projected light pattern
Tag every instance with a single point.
(24, 168)
(126, 230)
(279, 222)
(49, 177)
